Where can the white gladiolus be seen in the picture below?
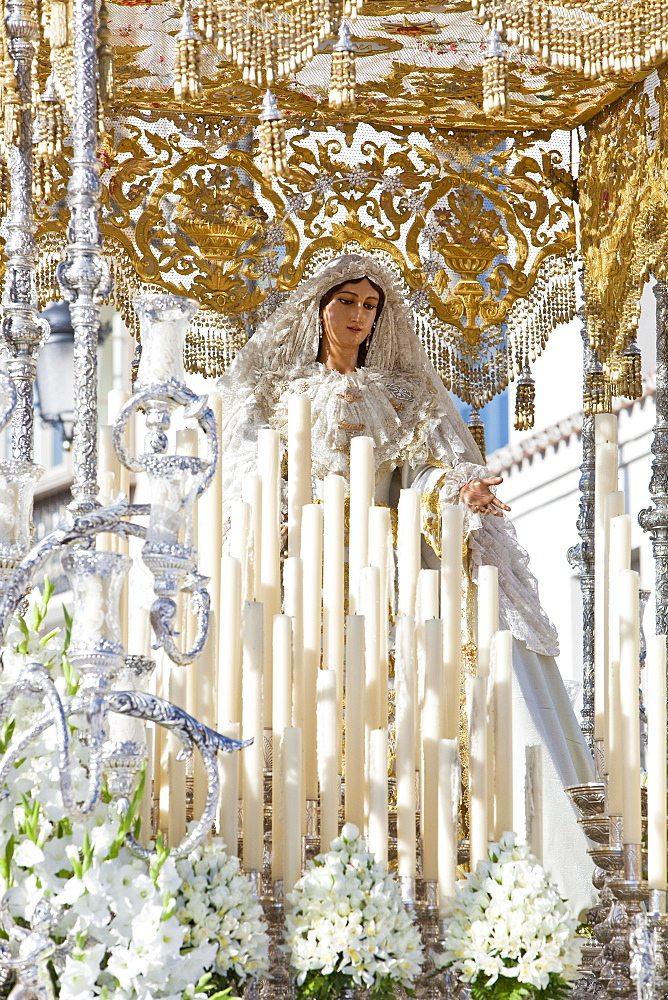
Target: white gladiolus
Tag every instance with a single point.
(133, 933)
(347, 917)
(215, 904)
(509, 920)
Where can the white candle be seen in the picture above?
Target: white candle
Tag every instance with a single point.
(252, 758)
(427, 594)
(176, 681)
(281, 720)
(488, 614)
(311, 554)
(476, 700)
(381, 555)
(293, 801)
(629, 653)
(378, 817)
(210, 524)
(241, 544)
(657, 821)
(116, 400)
(452, 522)
(228, 803)
(108, 460)
(426, 607)
(614, 755)
(328, 777)
(333, 596)
(293, 605)
(449, 792)
(105, 541)
(354, 805)
(270, 565)
(205, 703)
(229, 643)
(620, 559)
(534, 799)
(606, 462)
(299, 465)
(362, 482)
(405, 752)
(409, 535)
(251, 492)
(431, 726)
(370, 608)
(502, 657)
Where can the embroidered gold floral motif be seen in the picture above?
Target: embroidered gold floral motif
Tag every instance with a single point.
(397, 405)
(345, 425)
(350, 397)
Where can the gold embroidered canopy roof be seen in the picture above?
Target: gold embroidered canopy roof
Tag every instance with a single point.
(417, 63)
(474, 210)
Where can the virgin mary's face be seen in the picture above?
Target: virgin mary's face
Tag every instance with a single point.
(349, 315)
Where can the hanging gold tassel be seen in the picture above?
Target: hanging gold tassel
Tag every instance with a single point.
(105, 57)
(477, 429)
(525, 401)
(48, 140)
(597, 393)
(494, 76)
(50, 115)
(59, 32)
(273, 148)
(207, 20)
(631, 381)
(342, 78)
(187, 82)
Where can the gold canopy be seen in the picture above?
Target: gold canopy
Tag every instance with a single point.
(417, 63)
(474, 211)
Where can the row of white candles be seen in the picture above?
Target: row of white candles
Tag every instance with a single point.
(284, 659)
(616, 666)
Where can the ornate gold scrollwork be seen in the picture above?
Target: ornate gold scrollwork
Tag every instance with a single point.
(624, 213)
(470, 239)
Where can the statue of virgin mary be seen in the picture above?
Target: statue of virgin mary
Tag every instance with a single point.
(346, 338)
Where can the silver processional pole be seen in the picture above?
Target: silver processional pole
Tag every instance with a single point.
(85, 276)
(23, 331)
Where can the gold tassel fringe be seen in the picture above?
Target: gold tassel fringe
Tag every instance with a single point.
(273, 147)
(187, 82)
(342, 79)
(525, 401)
(597, 394)
(494, 77)
(105, 56)
(631, 381)
(477, 429)
(49, 131)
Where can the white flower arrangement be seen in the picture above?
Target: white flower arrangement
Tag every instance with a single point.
(347, 925)
(124, 930)
(510, 934)
(215, 904)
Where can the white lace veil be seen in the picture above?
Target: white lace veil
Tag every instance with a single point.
(289, 339)
(287, 343)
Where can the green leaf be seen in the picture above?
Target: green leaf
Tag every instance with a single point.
(6, 860)
(68, 619)
(6, 733)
